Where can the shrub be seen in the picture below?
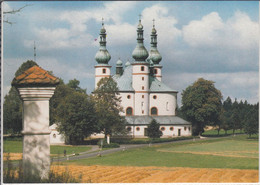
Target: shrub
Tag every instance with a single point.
(105, 145)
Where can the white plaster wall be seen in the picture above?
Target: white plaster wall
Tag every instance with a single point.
(59, 139)
(125, 102)
(141, 104)
(139, 133)
(165, 102)
(168, 133)
(36, 116)
(36, 155)
(99, 73)
(159, 73)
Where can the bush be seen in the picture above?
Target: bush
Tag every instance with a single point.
(105, 145)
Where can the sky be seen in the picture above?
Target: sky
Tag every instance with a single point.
(214, 40)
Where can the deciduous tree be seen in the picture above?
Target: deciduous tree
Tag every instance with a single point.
(201, 104)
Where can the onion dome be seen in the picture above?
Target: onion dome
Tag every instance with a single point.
(119, 62)
(154, 54)
(127, 64)
(102, 56)
(140, 53)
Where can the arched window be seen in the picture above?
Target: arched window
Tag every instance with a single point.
(155, 71)
(129, 111)
(154, 111)
(142, 68)
(54, 135)
(128, 96)
(104, 71)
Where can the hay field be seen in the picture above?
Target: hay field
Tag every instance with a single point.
(124, 174)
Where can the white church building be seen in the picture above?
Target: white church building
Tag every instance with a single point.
(144, 96)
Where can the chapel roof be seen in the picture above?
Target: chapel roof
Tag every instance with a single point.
(35, 76)
(124, 82)
(163, 120)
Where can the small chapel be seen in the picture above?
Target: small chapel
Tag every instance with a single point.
(144, 96)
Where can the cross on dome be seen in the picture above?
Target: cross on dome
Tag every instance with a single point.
(153, 22)
(102, 21)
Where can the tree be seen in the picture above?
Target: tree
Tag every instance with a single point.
(74, 84)
(201, 104)
(251, 125)
(153, 130)
(12, 12)
(76, 117)
(108, 107)
(12, 114)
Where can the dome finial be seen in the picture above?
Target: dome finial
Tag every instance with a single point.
(102, 21)
(140, 16)
(153, 22)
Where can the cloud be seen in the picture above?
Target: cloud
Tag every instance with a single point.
(240, 85)
(239, 32)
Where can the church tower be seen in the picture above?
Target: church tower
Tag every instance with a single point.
(140, 75)
(102, 68)
(155, 56)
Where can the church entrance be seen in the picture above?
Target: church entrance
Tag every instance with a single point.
(179, 132)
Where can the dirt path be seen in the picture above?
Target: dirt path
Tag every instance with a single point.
(125, 174)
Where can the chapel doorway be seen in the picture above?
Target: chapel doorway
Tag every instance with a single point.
(179, 132)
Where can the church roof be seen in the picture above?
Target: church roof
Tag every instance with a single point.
(124, 82)
(163, 120)
(35, 76)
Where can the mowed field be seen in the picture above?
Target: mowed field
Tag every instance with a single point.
(233, 159)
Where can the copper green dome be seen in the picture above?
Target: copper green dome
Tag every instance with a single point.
(154, 54)
(127, 64)
(140, 53)
(102, 56)
(119, 62)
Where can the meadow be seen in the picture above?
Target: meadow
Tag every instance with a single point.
(234, 152)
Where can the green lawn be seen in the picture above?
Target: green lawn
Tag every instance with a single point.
(162, 155)
(17, 147)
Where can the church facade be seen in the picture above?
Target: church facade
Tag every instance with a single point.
(144, 96)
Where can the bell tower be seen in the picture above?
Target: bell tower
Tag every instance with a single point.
(102, 68)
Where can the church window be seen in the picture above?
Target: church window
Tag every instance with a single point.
(167, 106)
(162, 128)
(154, 97)
(104, 71)
(142, 112)
(154, 111)
(185, 128)
(171, 128)
(142, 87)
(143, 78)
(155, 71)
(142, 96)
(137, 128)
(142, 68)
(189, 128)
(129, 111)
(54, 135)
(128, 96)
(129, 129)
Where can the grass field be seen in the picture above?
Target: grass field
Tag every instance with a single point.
(242, 154)
(17, 147)
(214, 132)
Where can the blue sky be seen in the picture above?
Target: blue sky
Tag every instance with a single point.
(215, 40)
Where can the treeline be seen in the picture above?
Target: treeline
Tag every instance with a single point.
(76, 113)
(240, 115)
(203, 105)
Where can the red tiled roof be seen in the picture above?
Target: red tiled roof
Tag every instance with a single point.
(35, 76)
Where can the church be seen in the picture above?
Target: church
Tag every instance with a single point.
(143, 94)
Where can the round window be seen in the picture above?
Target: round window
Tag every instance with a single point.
(154, 97)
(171, 128)
(128, 96)
(137, 128)
(162, 128)
(129, 128)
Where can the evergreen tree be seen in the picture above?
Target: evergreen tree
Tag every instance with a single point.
(153, 130)
(251, 125)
